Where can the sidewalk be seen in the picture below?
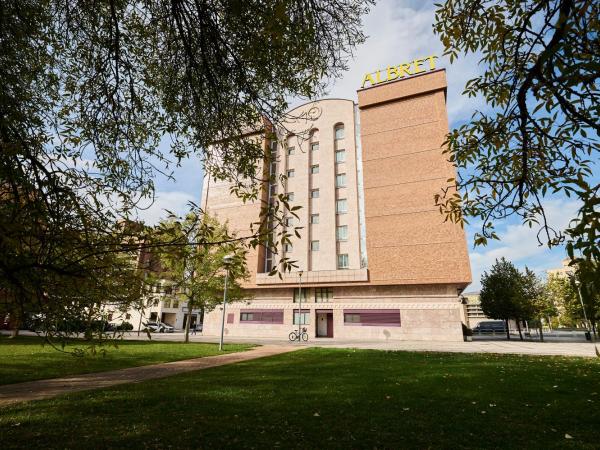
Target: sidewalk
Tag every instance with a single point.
(499, 345)
(41, 389)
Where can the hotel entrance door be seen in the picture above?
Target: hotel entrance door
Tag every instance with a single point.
(324, 323)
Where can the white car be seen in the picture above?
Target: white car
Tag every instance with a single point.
(159, 327)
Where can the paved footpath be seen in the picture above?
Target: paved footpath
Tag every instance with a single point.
(478, 345)
(41, 389)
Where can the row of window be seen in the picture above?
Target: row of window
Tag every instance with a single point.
(340, 178)
(315, 193)
(385, 317)
(342, 258)
(321, 295)
(340, 155)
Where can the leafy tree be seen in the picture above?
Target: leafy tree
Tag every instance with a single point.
(197, 271)
(538, 304)
(501, 292)
(562, 294)
(538, 132)
(586, 284)
(90, 89)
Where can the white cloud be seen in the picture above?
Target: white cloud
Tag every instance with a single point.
(174, 201)
(520, 245)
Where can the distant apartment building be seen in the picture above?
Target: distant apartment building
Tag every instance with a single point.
(473, 312)
(376, 259)
(566, 271)
(161, 302)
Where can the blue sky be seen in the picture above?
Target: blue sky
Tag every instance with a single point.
(400, 31)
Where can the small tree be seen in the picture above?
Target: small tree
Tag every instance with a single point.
(536, 300)
(588, 277)
(197, 270)
(501, 292)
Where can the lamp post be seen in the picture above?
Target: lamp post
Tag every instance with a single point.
(227, 260)
(300, 307)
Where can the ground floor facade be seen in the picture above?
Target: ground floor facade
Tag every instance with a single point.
(432, 312)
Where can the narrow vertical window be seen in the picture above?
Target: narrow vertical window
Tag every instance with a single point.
(343, 261)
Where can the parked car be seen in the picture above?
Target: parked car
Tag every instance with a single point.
(497, 326)
(159, 327)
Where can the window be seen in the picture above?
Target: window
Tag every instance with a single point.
(314, 218)
(290, 173)
(290, 151)
(323, 295)
(314, 169)
(175, 304)
(127, 316)
(297, 294)
(314, 193)
(351, 318)
(341, 206)
(372, 317)
(289, 221)
(273, 146)
(314, 246)
(341, 233)
(343, 261)
(262, 316)
(246, 317)
(110, 317)
(340, 180)
(314, 146)
(287, 248)
(273, 190)
(339, 131)
(168, 290)
(290, 196)
(304, 317)
(340, 156)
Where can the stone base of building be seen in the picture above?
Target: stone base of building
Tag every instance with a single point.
(369, 314)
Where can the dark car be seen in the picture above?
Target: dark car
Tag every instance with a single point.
(497, 326)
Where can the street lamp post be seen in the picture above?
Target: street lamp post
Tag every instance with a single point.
(226, 262)
(300, 307)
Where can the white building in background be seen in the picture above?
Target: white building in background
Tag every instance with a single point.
(164, 304)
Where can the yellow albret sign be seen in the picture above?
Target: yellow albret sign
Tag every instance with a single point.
(392, 73)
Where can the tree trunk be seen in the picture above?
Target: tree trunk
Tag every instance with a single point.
(14, 323)
(541, 331)
(519, 328)
(507, 330)
(187, 322)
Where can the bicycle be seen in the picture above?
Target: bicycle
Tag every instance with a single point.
(294, 335)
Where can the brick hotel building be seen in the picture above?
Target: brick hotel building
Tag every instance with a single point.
(376, 257)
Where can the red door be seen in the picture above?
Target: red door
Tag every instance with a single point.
(330, 325)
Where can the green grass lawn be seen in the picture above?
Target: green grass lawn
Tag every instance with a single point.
(25, 359)
(332, 398)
